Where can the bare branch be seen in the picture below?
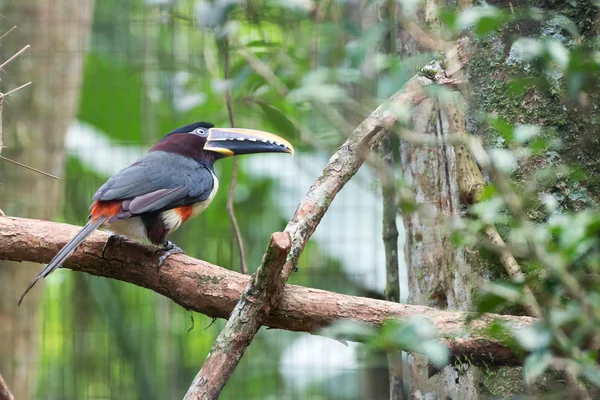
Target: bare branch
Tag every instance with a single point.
(17, 54)
(7, 32)
(28, 167)
(258, 299)
(214, 291)
(5, 393)
(15, 89)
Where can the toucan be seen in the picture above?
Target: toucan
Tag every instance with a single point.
(173, 182)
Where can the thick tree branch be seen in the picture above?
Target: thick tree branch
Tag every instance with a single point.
(258, 299)
(214, 291)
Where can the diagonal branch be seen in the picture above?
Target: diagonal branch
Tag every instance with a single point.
(214, 291)
(258, 299)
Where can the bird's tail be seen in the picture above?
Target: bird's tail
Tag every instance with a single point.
(66, 252)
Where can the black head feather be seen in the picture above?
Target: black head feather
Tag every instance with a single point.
(189, 128)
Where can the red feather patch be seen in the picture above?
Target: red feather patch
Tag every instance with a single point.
(108, 209)
(185, 212)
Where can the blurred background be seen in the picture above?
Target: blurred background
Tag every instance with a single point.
(110, 78)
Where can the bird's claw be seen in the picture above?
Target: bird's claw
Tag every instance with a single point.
(109, 241)
(169, 248)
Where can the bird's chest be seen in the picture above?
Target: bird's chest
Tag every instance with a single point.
(197, 208)
(172, 219)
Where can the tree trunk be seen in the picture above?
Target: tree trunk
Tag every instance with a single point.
(35, 124)
(439, 274)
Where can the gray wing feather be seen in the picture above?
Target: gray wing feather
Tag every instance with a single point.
(156, 200)
(157, 181)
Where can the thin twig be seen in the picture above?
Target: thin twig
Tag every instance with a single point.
(14, 90)
(14, 56)
(28, 167)
(234, 173)
(5, 393)
(7, 32)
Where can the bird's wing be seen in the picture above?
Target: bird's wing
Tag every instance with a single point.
(158, 181)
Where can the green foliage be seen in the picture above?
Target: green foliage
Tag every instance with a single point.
(416, 335)
(312, 80)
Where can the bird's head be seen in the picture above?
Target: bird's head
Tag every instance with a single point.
(202, 141)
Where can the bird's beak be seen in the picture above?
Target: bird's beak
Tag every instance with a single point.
(236, 141)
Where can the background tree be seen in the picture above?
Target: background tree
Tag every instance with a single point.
(35, 126)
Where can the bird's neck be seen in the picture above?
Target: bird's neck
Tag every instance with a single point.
(188, 146)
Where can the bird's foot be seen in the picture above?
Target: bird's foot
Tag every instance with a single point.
(112, 239)
(169, 248)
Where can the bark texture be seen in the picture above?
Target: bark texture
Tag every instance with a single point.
(258, 299)
(35, 124)
(439, 274)
(214, 291)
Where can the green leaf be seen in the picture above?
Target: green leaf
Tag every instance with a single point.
(559, 53)
(507, 291)
(528, 49)
(524, 133)
(483, 19)
(435, 352)
(491, 303)
(534, 338)
(489, 211)
(504, 160)
(502, 127)
(592, 374)
(535, 365)
(448, 18)
(325, 93)
(416, 335)
(348, 330)
(278, 120)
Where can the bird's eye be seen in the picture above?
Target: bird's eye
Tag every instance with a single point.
(200, 131)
